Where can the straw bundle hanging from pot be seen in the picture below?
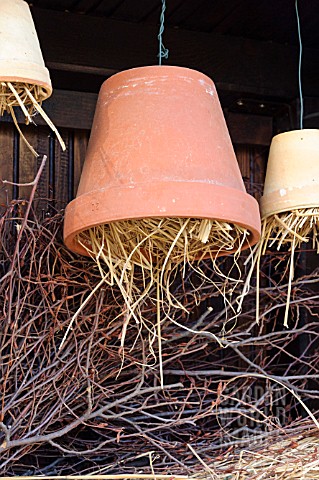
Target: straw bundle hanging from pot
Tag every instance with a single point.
(290, 203)
(158, 249)
(24, 79)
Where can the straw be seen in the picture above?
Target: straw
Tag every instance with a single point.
(29, 98)
(159, 248)
(289, 230)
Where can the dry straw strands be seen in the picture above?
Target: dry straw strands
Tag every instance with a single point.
(286, 230)
(159, 248)
(291, 229)
(29, 98)
(292, 458)
(191, 239)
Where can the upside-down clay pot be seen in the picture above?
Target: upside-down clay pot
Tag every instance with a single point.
(20, 53)
(292, 178)
(159, 147)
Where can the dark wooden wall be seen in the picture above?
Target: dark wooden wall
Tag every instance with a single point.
(254, 67)
(72, 112)
(62, 172)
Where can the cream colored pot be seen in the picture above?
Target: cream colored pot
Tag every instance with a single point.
(292, 179)
(21, 59)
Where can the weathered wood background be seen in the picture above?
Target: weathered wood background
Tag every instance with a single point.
(73, 115)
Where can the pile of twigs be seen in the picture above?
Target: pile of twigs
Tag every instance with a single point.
(239, 399)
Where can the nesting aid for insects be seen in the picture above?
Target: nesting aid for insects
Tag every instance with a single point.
(160, 185)
(24, 79)
(160, 148)
(290, 202)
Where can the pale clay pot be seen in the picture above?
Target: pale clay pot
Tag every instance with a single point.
(292, 178)
(20, 54)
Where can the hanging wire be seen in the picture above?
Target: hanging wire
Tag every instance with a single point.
(299, 68)
(163, 52)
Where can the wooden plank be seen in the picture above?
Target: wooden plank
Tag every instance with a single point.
(243, 157)
(66, 110)
(207, 15)
(258, 167)
(61, 172)
(252, 161)
(28, 164)
(76, 110)
(43, 186)
(178, 13)
(238, 64)
(58, 4)
(127, 10)
(81, 139)
(6, 169)
(97, 7)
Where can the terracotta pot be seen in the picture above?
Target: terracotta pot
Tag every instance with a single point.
(159, 147)
(20, 54)
(292, 178)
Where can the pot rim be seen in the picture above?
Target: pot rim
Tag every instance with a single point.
(211, 201)
(47, 87)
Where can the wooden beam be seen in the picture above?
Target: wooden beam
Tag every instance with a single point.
(102, 46)
(75, 110)
(72, 110)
